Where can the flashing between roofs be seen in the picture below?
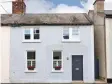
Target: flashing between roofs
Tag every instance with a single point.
(45, 19)
(108, 13)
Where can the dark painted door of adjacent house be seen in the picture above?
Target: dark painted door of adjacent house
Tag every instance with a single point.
(77, 67)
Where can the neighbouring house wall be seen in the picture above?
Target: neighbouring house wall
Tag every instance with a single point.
(5, 53)
(51, 39)
(0, 52)
(108, 5)
(99, 33)
(109, 46)
(100, 44)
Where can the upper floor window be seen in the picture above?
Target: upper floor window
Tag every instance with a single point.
(71, 34)
(31, 34)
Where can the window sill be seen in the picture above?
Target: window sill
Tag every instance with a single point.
(30, 71)
(31, 41)
(61, 71)
(71, 41)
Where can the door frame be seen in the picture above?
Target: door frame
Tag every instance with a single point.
(82, 67)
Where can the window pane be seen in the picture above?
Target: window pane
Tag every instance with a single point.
(27, 36)
(75, 34)
(36, 36)
(36, 31)
(30, 55)
(54, 64)
(66, 33)
(56, 55)
(66, 36)
(75, 31)
(33, 63)
(59, 63)
(28, 63)
(27, 31)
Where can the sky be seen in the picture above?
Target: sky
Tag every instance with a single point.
(52, 6)
(68, 2)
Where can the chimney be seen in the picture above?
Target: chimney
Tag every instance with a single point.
(99, 6)
(18, 7)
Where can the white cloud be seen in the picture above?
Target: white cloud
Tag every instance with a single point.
(88, 5)
(42, 6)
(62, 8)
(38, 6)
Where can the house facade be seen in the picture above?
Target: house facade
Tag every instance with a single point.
(55, 50)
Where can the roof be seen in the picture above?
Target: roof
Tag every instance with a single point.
(108, 13)
(46, 19)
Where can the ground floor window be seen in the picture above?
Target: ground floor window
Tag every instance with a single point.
(31, 60)
(57, 61)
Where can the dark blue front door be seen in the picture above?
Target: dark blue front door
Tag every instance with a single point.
(77, 67)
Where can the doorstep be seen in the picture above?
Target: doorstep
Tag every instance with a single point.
(77, 82)
(96, 82)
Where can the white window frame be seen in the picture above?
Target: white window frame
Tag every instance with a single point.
(53, 70)
(71, 38)
(31, 35)
(26, 69)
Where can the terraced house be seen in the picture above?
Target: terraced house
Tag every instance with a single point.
(53, 48)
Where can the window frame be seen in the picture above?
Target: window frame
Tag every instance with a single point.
(71, 39)
(26, 69)
(61, 61)
(31, 35)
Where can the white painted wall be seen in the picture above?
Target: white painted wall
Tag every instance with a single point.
(109, 46)
(51, 39)
(5, 53)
